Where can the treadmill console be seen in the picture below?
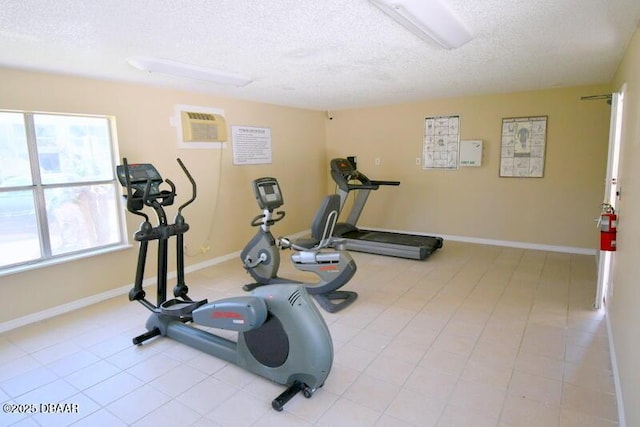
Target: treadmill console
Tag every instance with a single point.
(343, 166)
(267, 192)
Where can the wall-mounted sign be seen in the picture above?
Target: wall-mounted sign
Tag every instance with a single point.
(251, 145)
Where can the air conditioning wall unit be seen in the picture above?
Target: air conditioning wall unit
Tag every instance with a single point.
(203, 127)
(200, 127)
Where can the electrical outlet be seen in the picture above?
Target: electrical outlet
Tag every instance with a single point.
(377, 161)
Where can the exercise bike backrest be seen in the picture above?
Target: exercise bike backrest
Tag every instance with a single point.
(325, 221)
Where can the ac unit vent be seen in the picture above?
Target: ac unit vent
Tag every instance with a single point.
(203, 127)
(294, 297)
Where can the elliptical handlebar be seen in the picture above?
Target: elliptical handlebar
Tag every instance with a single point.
(142, 182)
(194, 187)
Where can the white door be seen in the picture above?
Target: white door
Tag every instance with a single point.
(611, 191)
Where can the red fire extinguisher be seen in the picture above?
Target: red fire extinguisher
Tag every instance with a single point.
(608, 228)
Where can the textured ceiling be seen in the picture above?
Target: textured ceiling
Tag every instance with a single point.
(322, 54)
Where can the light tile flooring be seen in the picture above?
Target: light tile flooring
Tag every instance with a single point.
(474, 336)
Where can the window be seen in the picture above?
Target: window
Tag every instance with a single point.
(58, 192)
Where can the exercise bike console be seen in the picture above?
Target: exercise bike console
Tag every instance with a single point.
(267, 192)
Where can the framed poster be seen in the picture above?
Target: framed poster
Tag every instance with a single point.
(523, 147)
(441, 142)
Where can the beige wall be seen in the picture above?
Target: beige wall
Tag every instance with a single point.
(624, 304)
(471, 202)
(145, 135)
(557, 210)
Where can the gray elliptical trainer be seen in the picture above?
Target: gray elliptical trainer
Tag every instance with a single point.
(261, 255)
(281, 334)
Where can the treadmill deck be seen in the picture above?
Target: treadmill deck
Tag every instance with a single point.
(392, 244)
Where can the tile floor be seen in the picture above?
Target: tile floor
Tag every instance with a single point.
(474, 336)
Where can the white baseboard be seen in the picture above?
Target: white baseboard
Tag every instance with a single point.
(61, 309)
(523, 245)
(506, 243)
(94, 299)
(84, 302)
(616, 374)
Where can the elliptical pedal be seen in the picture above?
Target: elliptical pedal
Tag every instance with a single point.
(180, 308)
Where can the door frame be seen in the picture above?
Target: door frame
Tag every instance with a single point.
(604, 286)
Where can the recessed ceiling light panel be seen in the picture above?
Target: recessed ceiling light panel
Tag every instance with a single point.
(179, 69)
(431, 20)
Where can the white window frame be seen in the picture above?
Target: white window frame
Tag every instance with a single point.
(47, 257)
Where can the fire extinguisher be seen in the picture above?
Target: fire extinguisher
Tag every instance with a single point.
(608, 228)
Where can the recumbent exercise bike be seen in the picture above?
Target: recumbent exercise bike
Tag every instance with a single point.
(261, 255)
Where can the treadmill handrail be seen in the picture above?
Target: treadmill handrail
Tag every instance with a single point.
(362, 186)
(385, 183)
(367, 184)
(343, 173)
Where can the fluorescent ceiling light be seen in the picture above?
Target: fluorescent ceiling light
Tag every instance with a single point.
(431, 20)
(195, 72)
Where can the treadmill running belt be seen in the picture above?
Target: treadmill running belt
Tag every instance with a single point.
(394, 238)
(392, 244)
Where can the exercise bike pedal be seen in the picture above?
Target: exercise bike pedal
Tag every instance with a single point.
(180, 308)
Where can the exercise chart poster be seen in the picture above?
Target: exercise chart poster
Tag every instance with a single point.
(523, 147)
(441, 142)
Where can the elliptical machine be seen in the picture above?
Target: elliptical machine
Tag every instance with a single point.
(261, 256)
(281, 334)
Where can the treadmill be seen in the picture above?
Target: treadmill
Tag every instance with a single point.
(344, 173)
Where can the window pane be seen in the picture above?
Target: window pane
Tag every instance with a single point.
(73, 149)
(70, 203)
(14, 155)
(82, 217)
(19, 240)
